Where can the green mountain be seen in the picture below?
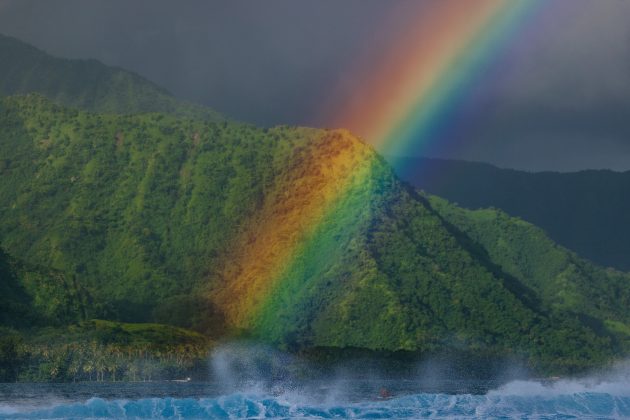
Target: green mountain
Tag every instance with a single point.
(157, 218)
(586, 211)
(86, 84)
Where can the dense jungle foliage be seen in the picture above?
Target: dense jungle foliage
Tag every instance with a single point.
(151, 218)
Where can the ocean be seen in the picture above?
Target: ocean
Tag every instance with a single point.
(253, 381)
(342, 399)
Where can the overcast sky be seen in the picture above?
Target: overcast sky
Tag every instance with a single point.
(560, 98)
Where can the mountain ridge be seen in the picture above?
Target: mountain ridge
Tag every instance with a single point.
(86, 84)
(586, 211)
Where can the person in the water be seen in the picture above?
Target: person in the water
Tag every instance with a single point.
(384, 394)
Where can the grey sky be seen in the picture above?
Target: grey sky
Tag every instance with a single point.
(560, 98)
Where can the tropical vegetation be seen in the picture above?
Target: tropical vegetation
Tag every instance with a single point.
(134, 241)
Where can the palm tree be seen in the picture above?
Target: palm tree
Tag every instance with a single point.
(100, 365)
(88, 367)
(74, 368)
(134, 369)
(113, 361)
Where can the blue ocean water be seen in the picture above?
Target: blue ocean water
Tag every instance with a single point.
(519, 399)
(253, 381)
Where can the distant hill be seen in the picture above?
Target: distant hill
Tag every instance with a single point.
(587, 211)
(86, 84)
(176, 221)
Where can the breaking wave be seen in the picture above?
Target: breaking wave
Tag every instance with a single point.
(515, 400)
(260, 383)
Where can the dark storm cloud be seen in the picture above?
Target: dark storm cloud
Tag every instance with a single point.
(561, 99)
(268, 62)
(560, 96)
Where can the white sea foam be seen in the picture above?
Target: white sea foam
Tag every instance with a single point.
(615, 382)
(259, 382)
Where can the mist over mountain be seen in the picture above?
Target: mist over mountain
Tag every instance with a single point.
(86, 84)
(587, 211)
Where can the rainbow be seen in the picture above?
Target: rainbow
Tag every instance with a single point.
(424, 76)
(431, 69)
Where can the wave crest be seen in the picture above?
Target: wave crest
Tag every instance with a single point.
(495, 404)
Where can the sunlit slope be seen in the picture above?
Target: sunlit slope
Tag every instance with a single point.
(86, 84)
(301, 237)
